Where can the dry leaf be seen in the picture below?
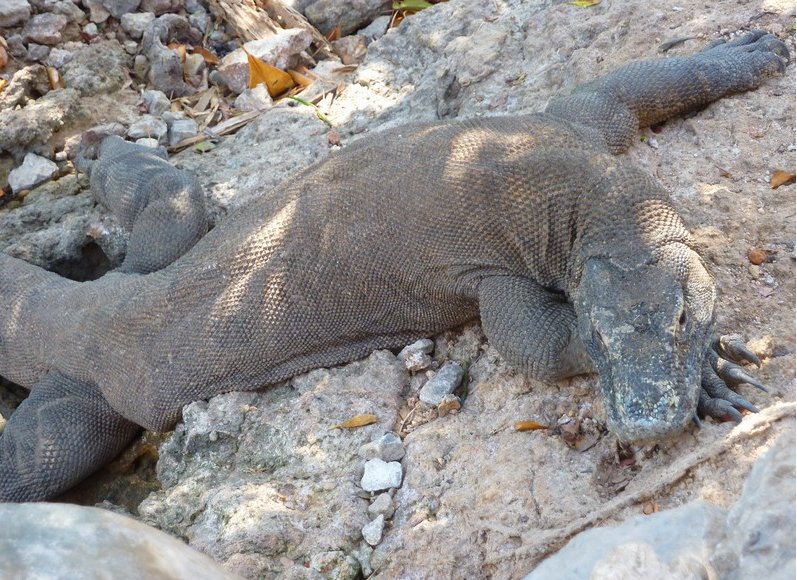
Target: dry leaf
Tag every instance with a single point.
(277, 81)
(650, 507)
(357, 421)
(3, 57)
(781, 177)
(411, 5)
(529, 426)
(585, 3)
(300, 80)
(334, 35)
(209, 57)
(179, 49)
(56, 82)
(3, 84)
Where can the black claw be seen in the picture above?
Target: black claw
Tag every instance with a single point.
(696, 420)
(731, 346)
(737, 376)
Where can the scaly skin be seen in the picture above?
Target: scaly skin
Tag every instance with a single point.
(574, 260)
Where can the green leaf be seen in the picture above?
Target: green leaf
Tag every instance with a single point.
(411, 5)
(204, 146)
(318, 112)
(585, 3)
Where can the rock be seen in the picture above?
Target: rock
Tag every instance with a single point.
(148, 126)
(200, 20)
(148, 142)
(351, 49)
(448, 404)
(280, 50)
(166, 65)
(38, 52)
(754, 540)
(96, 68)
(27, 84)
(58, 57)
(380, 475)
(375, 30)
(68, 9)
(363, 556)
(372, 531)
(49, 540)
(118, 8)
(16, 46)
(156, 102)
(256, 99)
(141, 66)
(97, 11)
(326, 15)
(180, 129)
(135, 23)
(445, 381)
(382, 506)
(159, 7)
(254, 496)
(416, 356)
(388, 447)
(14, 13)
(194, 64)
(33, 171)
(335, 564)
(131, 47)
(91, 30)
(45, 28)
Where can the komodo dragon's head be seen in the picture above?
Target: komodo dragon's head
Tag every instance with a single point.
(647, 328)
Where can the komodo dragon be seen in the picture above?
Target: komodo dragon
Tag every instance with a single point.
(573, 258)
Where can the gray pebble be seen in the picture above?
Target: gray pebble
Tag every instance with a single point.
(45, 28)
(388, 447)
(442, 383)
(38, 52)
(148, 126)
(157, 102)
(58, 57)
(14, 12)
(382, 506)
(148, 142)
(380, 475)
(33, 171)
(416, 356)
(372, 532)
(135, 23)
(180, 129)
(256, 99)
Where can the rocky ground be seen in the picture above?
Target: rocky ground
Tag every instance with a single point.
(261, 481)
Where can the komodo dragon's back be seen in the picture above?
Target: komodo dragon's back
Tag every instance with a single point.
(528, 222)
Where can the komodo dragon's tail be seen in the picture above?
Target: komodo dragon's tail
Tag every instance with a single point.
(24, 342)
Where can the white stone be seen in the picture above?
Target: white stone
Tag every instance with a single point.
(33, 171)
(382, 506)
(372, 531)
(380, 475)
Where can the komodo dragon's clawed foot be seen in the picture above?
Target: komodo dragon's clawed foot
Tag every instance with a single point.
(720, 373)
(773, 53)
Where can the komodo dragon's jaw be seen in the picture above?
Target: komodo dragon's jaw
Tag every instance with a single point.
(646, 345)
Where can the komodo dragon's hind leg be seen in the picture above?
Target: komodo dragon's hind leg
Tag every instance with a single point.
(58, 436)
(648, 92)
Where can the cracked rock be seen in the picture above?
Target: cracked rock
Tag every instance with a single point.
(416, 356)
(135, 23)
(382, 506)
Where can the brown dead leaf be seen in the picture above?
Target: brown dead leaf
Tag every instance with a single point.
(3, 84)
(300, 79)
(56, 82)
(650, 507)
(277, 81)
(335, 34)
(179, 49)
(3, 57)
(529, 426)
(357, 421)
(209, 57)
(781, 177)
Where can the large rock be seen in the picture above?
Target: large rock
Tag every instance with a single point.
(326, 15)
(45, 28)
(34, 170)
(14, 12)
(50, 541)
(97, 68)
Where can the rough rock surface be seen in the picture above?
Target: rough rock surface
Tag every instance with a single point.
(14, 12)
(754, 540)
(97, 68)
(326, 15)
(50, 541)
(33, 171)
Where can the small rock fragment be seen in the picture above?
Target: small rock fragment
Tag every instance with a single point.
(58, 57)
(14, 13)
(45, 28)
(380, 475)
(194, 64)
(375, 30)
(382, 506)
(70, 10)
(33, 171)
(156, 102)
(351, 49)
(449, 404)
(256, 99)
(91, 30)
(388, 447)
(97, 11)
(200, 20)
(135, 23)
(416, 356)
(160, 6)
(148, 142)
(445, 381)
(148, 126)
(118, 8)
(38, 52)
(180, 129)
(372, 532)
(363, 556)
